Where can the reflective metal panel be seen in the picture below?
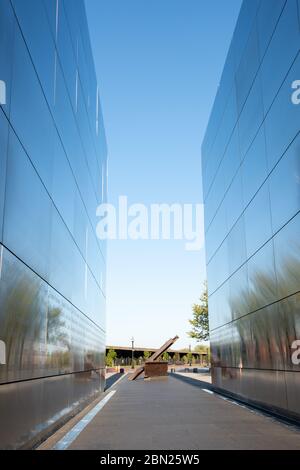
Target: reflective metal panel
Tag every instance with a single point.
(252, 210)
(282, 121)
(3, 160)
(234, 200)
(247, 68)
(236, 246)
(27, 219)
(289, 310)
(287, 258)
(286, 176)
(268, 339)
(267, 17)
(239, 288)
(292, 387)
(38, 37)
(52, 177)
(23, 300)
(30, 115)
(29, 409)
(262, 278)
(7, 32)
(251, 117)
(255, 167)
(282, 50)
(44, 334)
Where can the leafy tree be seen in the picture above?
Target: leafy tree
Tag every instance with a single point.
(166, 356)
(147, 354)
(176, 357)
(110, 358)
(189, 357)
(185, 359)
(199, 322)
(203, 349)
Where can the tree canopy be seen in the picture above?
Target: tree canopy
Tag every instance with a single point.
(111, 356)
(199, 322)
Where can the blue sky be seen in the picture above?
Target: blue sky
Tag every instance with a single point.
(158, 63)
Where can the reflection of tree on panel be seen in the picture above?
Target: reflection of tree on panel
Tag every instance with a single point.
(23, 323)
(56, 334)
(273, 330)
(59, 348)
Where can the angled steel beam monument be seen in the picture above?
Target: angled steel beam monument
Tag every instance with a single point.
(154, 357)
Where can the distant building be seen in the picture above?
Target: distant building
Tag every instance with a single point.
(251, 179)
(52, 177)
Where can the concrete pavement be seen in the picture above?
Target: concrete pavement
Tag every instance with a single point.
(171, 414)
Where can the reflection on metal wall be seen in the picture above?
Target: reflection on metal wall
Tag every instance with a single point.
(251, 180)
(29, 409)
(52, 178)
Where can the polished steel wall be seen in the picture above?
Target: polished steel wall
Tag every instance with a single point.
(53, 176)
(251, 184)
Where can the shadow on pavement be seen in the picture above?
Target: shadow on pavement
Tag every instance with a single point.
(111, 380)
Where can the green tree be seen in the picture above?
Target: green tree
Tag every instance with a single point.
(189, 357)
(176, 357)
(166, 356)
(147, 354)
(199, 322)
(110, 358)
(184, 359)
(203, 349)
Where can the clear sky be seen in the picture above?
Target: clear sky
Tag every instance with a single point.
(158, 63)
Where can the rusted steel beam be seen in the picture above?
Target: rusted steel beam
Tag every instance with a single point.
(154, 357)
(156, 369)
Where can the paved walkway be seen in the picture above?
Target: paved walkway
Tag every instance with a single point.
(111, 378)
(170, 414)
(203, 377)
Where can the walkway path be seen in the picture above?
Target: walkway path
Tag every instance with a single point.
(169, 413)
(203, 377)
